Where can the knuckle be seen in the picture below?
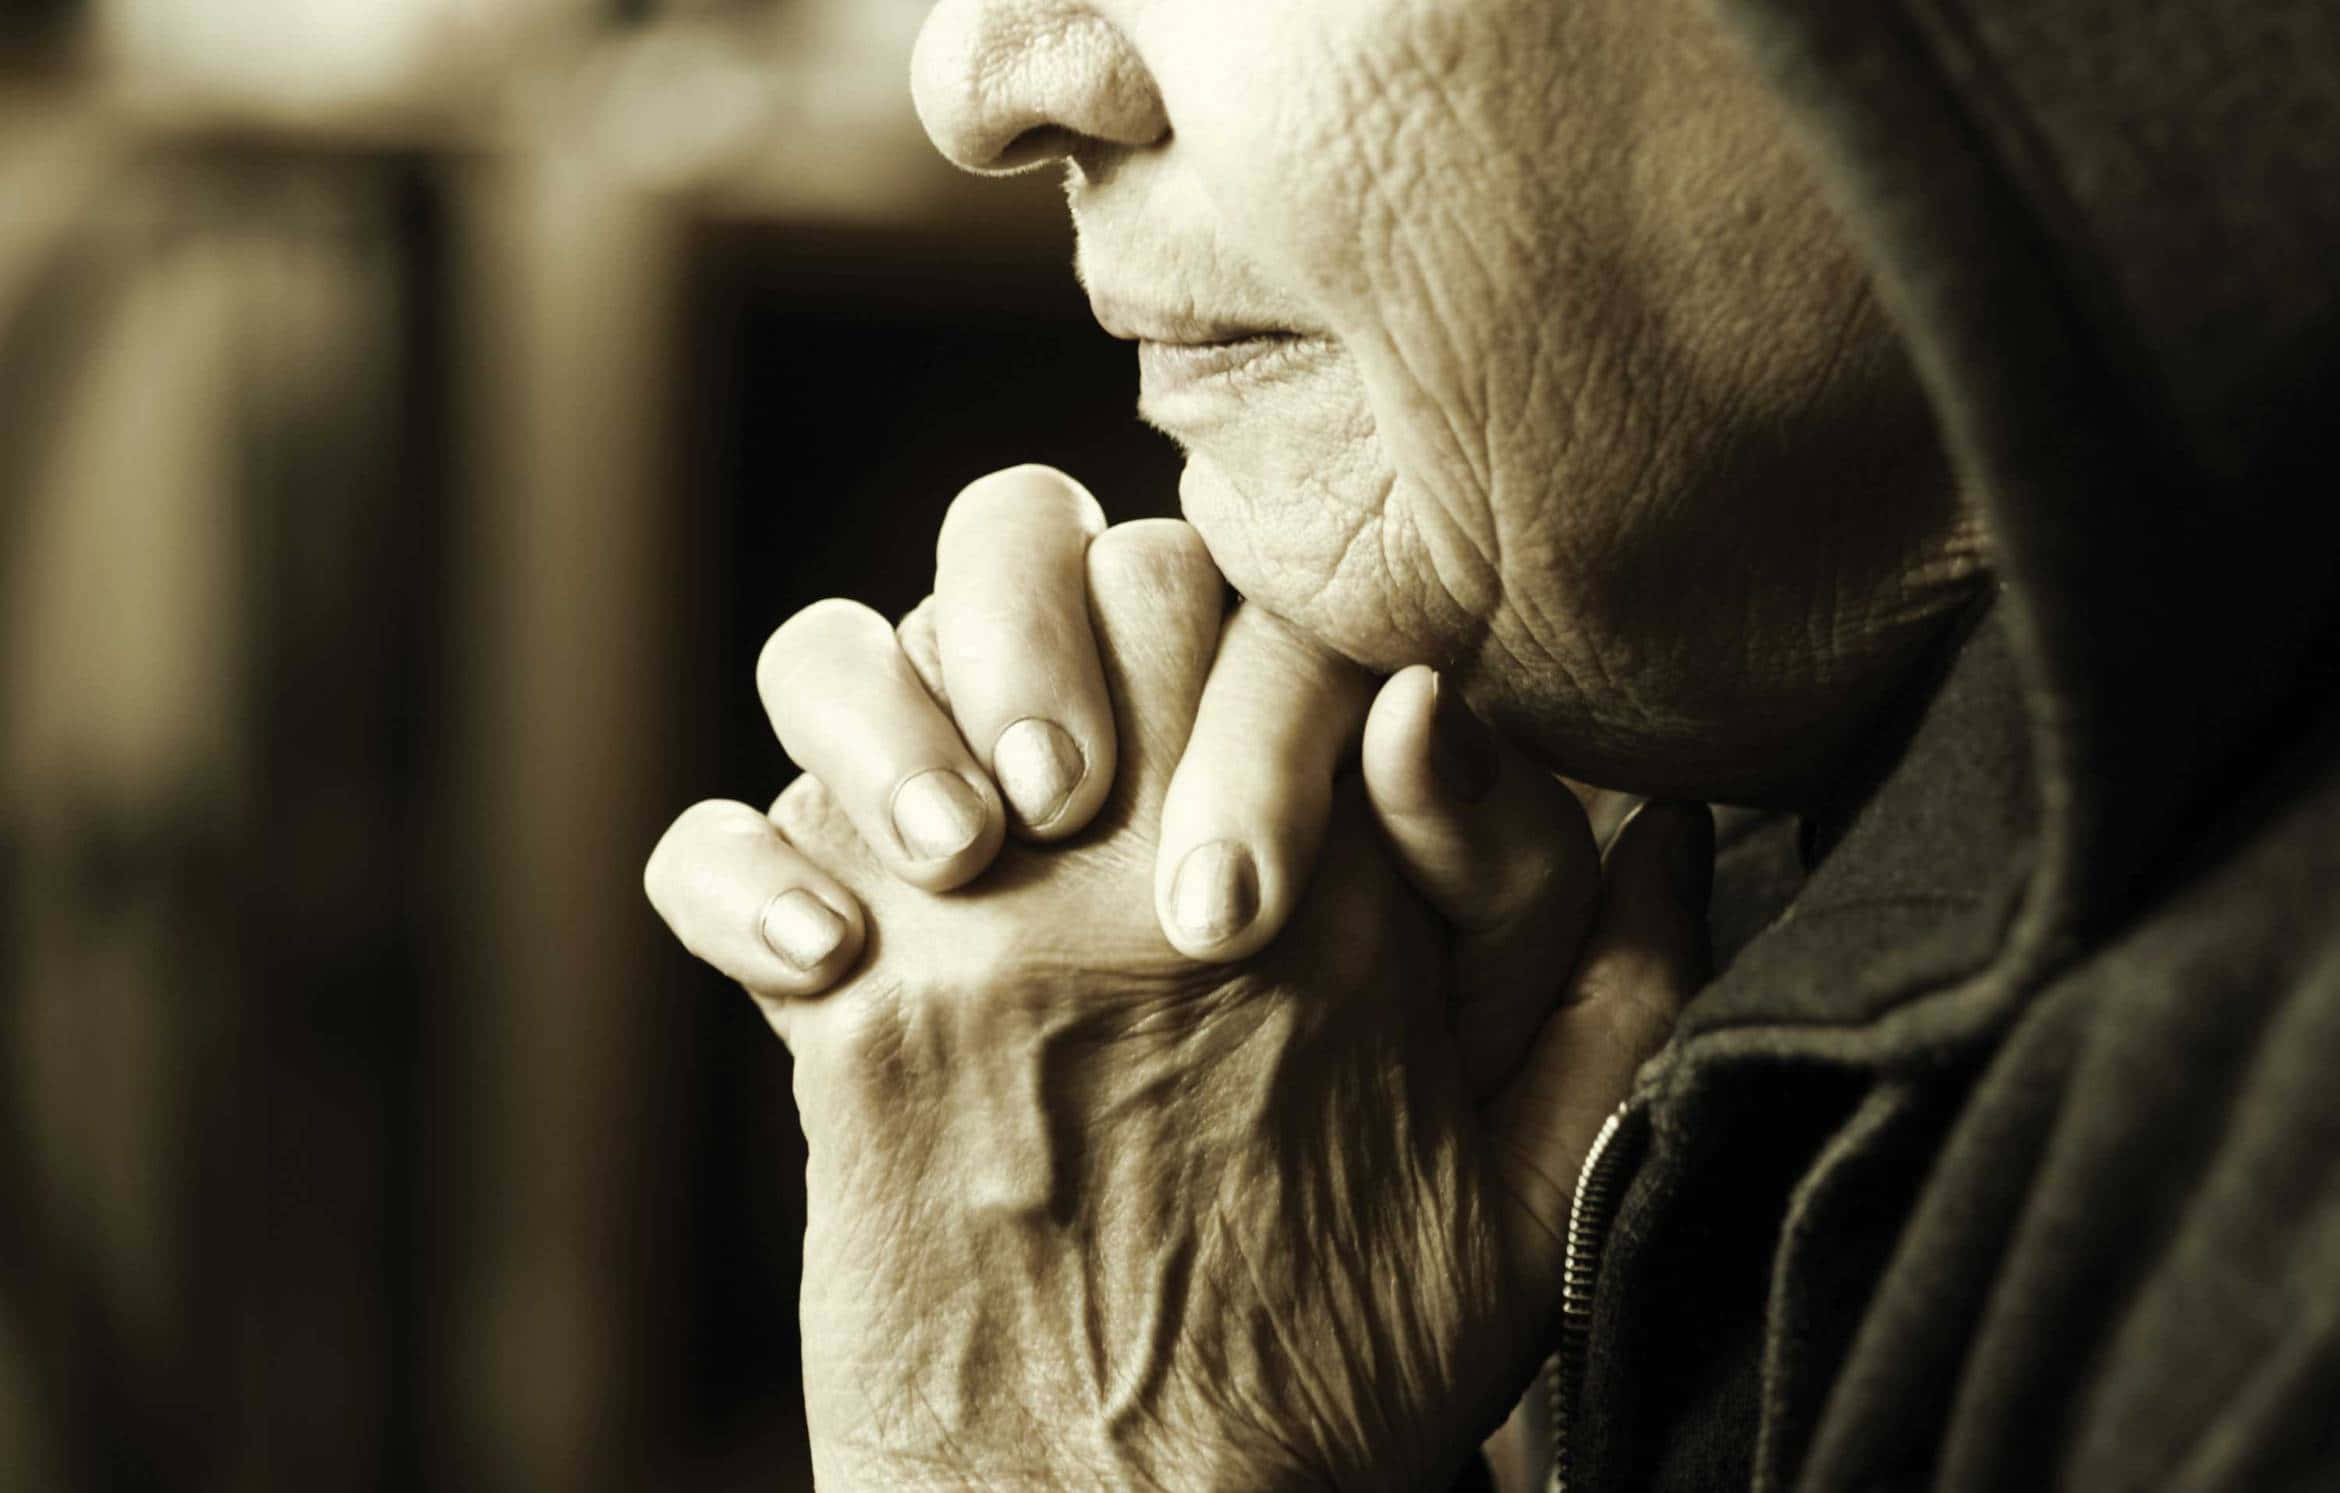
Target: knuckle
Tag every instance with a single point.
(865, 1037)
(812, 820)
(694, 834)
(921, 645)
(1021, 494)
(720, 820)
(818, 631)
(918, 621)
(658, 875)
(1162, 557)
(945, 992)
(1632, 993)
(805, 803)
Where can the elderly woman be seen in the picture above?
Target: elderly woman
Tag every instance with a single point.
(1226, 1060)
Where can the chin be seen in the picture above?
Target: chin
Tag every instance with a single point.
(1287, 539)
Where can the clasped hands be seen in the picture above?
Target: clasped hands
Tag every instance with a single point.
(1195, 1042)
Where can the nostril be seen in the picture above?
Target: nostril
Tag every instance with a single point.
(1004, 85)
(1036, 146)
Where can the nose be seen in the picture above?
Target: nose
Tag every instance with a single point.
(1005, 84)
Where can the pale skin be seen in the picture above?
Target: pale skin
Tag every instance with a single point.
(1084, 1211)
(1182, 1111)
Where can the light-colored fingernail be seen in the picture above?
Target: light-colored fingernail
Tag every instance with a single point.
(1038, 767)
(937, 814)
(801, 928)
(1215, 894)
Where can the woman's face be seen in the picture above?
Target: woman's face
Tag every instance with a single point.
(1507, 335)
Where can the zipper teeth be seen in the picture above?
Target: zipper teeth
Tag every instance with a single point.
(1588, 1224)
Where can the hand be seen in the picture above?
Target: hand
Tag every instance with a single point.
(1065, 1182)
(987, 710)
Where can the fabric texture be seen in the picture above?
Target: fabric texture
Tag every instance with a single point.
(2008, 1155)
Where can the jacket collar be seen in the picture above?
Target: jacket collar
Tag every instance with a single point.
(1919, 870)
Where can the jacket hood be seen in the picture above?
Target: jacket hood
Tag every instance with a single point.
(2110, 233)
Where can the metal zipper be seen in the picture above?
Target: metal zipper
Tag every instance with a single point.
(1589, 1215)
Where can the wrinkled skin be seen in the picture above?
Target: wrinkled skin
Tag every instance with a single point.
(1561, 378)
(1591, 405)
(1084, 1212)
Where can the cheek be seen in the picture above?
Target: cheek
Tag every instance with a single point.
(1362, 148)
(1270, 124)
(1368, 189)
(1337, 165)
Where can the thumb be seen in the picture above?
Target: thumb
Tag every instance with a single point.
(1500, 850)
(1646, 954)
(1244, 819)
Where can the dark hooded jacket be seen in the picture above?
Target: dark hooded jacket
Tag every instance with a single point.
(2009, 1155)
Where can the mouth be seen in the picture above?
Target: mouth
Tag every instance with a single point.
(1166, 366)
(1191, 390)
(1194, 370)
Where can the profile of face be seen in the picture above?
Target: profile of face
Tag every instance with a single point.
(1505, 335)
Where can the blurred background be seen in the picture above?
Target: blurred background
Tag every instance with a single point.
(413, 416)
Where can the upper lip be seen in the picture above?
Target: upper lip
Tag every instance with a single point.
(1136, 321)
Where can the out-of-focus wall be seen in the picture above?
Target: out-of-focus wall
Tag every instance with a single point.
(413, 414)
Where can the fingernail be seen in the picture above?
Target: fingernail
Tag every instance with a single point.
(1216, 892)
(937, 814)
(801, 928)
(1462, 750)
(1038, 766)
(1690, 854)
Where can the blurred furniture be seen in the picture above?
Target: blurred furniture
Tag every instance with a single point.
(394, 498)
